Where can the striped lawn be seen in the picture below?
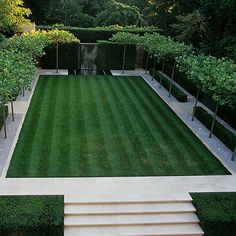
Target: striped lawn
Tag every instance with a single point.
(105, 126)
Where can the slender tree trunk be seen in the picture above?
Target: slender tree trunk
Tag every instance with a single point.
(195, 105)
(4, 121)
(57, 58)
(154, 68)
(123, 66)
(214, 120)
(234, 154)
(146, 68)
(162, 72)
(23, 89)
(172, 78)
(12, 110)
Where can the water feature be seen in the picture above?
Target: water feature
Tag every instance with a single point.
(88, 59)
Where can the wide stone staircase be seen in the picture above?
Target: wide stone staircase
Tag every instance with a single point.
(163, 216)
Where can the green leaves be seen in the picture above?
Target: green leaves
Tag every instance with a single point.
(125, 38)
(214, 76)
(61, 36)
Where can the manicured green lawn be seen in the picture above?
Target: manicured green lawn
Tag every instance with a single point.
(32, 215)
(105, 126)
(217, 213)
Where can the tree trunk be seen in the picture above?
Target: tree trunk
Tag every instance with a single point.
(214, 120)
(123, 66)
(23, 91)
(4, 121)
(195, 106)
(172, 78)
(234, 154)
(57, 58)
(12, 110)
(146, 68)
(154, 68)
(162, 72)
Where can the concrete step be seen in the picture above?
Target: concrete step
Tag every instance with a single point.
(135, 219)
(128, 208)
(151, 230)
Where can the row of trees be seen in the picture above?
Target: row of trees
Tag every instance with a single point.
(216, 77)
(18, 62)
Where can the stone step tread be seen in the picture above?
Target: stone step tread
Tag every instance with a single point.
(127, 198)
(110, 208)
(150, 219)
(141, 230)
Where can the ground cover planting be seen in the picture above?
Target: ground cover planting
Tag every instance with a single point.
(105, 126)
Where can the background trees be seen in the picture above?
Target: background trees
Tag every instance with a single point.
(12, 15)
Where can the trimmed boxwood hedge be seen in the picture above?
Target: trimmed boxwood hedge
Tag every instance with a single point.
(92, 35)
(176, 92)
(227, 137)
(32, 215)
(110, 56)
(227, 114)
(1, 116)
(217, 213)
(69, 56)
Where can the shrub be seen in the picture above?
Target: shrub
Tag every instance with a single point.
(217, 213)
(68, 56)
(1, 116)
(176, 92)
(110, 56)
(227, 137)
(92, 35)
(32, 215)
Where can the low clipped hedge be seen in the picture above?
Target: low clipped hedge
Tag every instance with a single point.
(227, 137)
(1, 115)
(176, 92)
(92, 35)
(110, 56)
(68, 56)
(32, 215)
(217, 213)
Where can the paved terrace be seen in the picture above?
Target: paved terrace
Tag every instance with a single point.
(117, 188)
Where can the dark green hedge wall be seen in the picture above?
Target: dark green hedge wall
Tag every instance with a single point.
(92, 35)
(217, 213)
(1, 115)
(227, 114)
(32, 215)
(227, 137)
(178, 94)
(110, 56)
(68, 56)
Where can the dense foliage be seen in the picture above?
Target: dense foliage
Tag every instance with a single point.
(32, 215)
(217, 212)
(12, 15)
(207, 24)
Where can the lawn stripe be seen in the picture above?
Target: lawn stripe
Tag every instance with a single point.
(112, 101)
(116, 143)
(143, 152)
(91, 150)
(99, 146)
(108, 133)
(44, 163)
(161, 153)
(39, 142)
(183, 135)
(156, 156)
